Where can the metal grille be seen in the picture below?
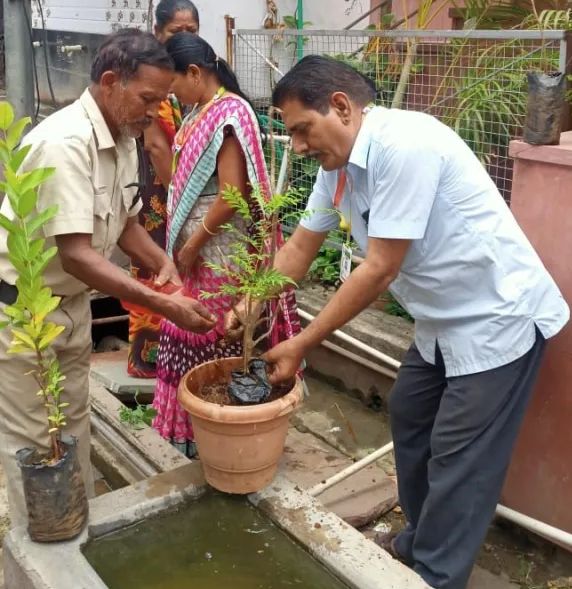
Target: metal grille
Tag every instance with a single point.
(474, 81)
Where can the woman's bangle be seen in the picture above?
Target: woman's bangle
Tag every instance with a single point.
(211, 233)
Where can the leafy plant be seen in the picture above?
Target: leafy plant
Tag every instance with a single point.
(249, 267)
(392, 307)
(326, 266)
(27, 318)
(138, 417)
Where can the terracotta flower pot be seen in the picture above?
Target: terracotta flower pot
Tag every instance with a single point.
(239, 446)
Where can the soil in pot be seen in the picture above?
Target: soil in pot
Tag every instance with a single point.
(251, 388)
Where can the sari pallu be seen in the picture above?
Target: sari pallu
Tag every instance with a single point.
(194, 187)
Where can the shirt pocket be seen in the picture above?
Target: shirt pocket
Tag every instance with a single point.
(129, 196)
(102, 216)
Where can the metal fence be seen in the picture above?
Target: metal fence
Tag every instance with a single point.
(474, 81)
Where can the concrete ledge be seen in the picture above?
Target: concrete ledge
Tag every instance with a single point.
(560, 155)
(342, 549)
(133, 454)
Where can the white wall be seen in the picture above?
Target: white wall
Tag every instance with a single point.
(104, 16)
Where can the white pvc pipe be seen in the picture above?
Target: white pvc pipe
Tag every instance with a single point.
(356, 343)
(283, 170)
(542, 529)
(363, 361)
(353, 468)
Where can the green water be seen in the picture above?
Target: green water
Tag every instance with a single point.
(217, 542)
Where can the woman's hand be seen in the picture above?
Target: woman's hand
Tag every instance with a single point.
(187, 256)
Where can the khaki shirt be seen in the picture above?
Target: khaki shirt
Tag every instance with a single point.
(92, 171)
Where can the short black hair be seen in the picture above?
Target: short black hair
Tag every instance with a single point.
(123, 52)
(166, 10)
(315, 78)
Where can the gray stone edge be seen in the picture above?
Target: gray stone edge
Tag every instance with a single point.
(342, 549)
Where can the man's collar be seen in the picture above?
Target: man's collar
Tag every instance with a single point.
(360, 150)
(102, 133)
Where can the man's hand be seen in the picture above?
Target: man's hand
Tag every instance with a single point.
(168, 273)
(233, 327)
(284, 360)
(188, 313)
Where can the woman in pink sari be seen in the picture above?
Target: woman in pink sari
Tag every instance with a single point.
(219, 144)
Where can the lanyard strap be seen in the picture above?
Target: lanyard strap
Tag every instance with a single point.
(338, 195)
(341, 186)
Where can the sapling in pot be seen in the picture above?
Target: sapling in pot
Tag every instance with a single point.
(252, 278)
(53, 486)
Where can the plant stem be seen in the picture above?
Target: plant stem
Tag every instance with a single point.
(49, 401)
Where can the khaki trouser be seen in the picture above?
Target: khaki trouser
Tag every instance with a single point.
(22, 414)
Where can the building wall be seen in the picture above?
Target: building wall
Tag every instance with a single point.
(101, 17)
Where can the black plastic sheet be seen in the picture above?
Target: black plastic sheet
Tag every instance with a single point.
(250, 388)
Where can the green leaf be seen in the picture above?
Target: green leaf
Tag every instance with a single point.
(26, 203)
(4, 152)
(41, 219)
(4, 324)
(50, 335)
(7, 224)
(17, 349)
(6, 115)
(15, 131)
(18, 157)
(36, 247)
(17, 246)
(21, 337)
(33, 179)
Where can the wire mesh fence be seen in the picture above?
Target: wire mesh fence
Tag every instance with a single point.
(474, 81)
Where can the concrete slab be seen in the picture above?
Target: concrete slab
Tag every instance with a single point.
(483, 579)
(110, 369)
(359, 500)
(342, 421)
(335, 544)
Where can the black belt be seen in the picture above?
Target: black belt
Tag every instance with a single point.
(8, 293)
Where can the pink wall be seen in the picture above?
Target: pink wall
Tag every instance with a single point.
(540, 477)
(440, 21)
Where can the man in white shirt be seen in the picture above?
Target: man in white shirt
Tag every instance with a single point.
(438, 235)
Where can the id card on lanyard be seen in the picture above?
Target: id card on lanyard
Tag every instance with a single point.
(346, 261)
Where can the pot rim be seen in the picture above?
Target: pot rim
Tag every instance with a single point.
(238, 413)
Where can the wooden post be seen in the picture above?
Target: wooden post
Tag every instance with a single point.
(230, 25)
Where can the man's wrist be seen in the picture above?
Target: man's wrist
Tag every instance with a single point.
(158, 302)
(307, 339)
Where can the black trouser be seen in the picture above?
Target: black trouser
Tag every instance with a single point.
(453, 440)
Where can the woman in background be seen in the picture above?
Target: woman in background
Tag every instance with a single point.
(218, 145)
(171, 17)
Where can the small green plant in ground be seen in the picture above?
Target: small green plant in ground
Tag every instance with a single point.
(138, 417)
(32, 331)
(326, 267)
(392, 307)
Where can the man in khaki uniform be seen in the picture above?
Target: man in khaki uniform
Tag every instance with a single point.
(92, 148)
